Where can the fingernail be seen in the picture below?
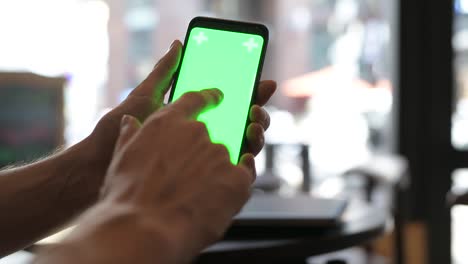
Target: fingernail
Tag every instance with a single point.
(220, 94)
(217, 93)
(171, 46)
(167, 51)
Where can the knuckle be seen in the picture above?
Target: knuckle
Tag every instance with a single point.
(155, 120)
(258, 134)
(257, 128)
(221, 151)
(198, 128)
(173, 111)
(192, 96)
(160, 119)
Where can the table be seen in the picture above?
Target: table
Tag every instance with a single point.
(361, 223)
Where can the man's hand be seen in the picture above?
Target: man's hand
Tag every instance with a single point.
(165, 205)
(68, 182)
(96, 150)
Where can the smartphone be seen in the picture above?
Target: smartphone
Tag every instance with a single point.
(227, 55)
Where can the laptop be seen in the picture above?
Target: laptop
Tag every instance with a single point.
(267, 216)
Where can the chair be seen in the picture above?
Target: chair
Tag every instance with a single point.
(391, 172)
(269, 182)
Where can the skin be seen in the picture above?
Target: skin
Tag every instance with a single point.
(124, 185)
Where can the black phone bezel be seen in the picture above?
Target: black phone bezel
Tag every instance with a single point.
(235, 26)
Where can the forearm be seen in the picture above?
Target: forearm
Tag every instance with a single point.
(37, 199)
(112, 236)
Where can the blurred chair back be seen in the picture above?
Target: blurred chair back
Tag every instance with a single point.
(31, 116)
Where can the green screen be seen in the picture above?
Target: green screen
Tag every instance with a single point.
(228, 61)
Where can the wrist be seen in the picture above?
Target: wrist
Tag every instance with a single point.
(110, 233)
(83, 175)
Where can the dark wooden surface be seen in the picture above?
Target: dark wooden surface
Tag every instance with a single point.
(361, 224)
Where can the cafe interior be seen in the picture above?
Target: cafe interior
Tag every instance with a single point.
(369, 122)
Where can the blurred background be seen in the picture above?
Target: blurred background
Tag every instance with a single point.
(335, 62)
(331, 59)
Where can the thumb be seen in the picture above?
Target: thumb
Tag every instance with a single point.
(129, 126)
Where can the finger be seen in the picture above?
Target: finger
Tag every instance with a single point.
(158, 81)
(191, 104)
(255, 138)
(264, 92)
(259, 115)
(128, 128)
(248, 161)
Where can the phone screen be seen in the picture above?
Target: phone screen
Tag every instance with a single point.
(229, 61)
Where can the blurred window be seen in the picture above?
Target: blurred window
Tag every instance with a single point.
(460, 45)
(460, 124)
(332, 61)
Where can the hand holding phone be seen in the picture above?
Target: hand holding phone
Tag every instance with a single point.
(227, 55)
